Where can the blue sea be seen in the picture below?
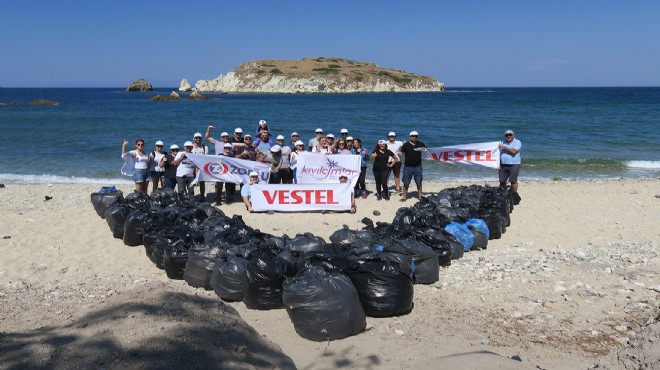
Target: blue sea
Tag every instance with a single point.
(568, 133)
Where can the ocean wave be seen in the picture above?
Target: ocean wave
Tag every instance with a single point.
(652, 165)
(54, 179)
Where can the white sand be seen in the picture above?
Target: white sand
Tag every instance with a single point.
(576, 274)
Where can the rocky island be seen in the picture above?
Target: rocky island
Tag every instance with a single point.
(316, 75)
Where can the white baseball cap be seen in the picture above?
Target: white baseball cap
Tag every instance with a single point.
(330, 135)
(279, 137)
(174, 146)
(319, 130)
(188, 143)
(262, 122)
(391, 133)
(382, 142)
(224, 134)
(294, 134)
(227, 145)
(349, 138)
(247, 136)
(197, 134)
(275, 148)
(344, 131)
(299, 142)
(159, 143)
(414, 133)
(238, 130)
(508, 132)
(252, 174)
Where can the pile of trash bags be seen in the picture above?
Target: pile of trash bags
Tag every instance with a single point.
(328, 288)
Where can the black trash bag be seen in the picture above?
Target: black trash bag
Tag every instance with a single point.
(228, 278)
(306, 242)
(263, 284)
(138, 199)
(346, 237)
(151, 226)
(427, 268)
(149, 238)
(177, 240)
(105, 198)
(438, 242)
(164, 197)
(457, 248)
(385, 288)
(323, 305)
(115, 216)
(329, 261)
(199, 266)
(495, 225)
(133, 227)
(239, 235)
(480, 240)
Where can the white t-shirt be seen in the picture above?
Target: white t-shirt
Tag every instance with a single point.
(141, 163)
(155, 165)
(286, 154)
(186, 167)
(395, 147)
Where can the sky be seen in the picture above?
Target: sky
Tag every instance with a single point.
(526, 43)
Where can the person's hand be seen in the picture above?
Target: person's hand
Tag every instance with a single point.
(126, 143)
(353, 209)
(500, 145)
(249, 208)
(165, 159)
(211, 127)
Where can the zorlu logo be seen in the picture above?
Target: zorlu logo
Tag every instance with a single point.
(216, 169)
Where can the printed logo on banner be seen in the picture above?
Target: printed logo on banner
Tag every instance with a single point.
(330, 168)
(216, 169)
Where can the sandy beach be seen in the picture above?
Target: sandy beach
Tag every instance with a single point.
(575, 277)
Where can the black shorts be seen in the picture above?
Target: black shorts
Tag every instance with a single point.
(509, 172)
(396, 169)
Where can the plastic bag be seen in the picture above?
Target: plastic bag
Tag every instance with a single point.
(228, 278)
(115, 216)
(323, 305)
(133, 227)
(265, 274)
(199, 266)
(105, 198)
(306, 242)
(461, 233)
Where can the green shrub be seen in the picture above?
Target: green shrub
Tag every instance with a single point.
(334, 66)
(275, 71)
(359, 78)
(259, 71)
(326, 71)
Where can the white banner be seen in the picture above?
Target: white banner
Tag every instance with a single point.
(314, 168)
(220, 168)
(301, 197)
(471, 155)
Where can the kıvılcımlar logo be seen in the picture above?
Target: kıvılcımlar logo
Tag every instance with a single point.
(329, 169)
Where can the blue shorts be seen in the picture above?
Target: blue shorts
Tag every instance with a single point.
(140, 176)
(409, 172)
(157, 174)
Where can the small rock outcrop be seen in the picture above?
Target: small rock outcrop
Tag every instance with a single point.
(172, 97)
(195, 95)
(140, 85)
(45, 102)
(318, 75)
(184, 86)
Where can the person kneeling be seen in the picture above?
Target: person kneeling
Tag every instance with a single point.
(246, 190)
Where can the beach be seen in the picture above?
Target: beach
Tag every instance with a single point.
(575, 276)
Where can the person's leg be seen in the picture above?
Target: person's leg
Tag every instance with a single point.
(191, 188)
(293, 175)
(418, 181)
(377, 179)
(407, 177)
(397, 176)
(386, 191)
(170, 183)
(181, 187)
(202, 189)
(362, 180)
(231, 190)
(162, 181)
(513, 176)
(218, 192)
(503, 175)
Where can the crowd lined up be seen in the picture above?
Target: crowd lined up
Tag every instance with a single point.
(174, 170)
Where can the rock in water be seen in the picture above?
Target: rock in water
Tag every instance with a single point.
(45, 102)
(174, 95)
(140, 85)
(184, 86)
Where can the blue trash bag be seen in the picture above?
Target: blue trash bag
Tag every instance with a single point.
(478, 225)
(462, 233)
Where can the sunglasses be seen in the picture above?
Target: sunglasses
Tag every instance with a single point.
(139, 144)
(508, 135)
(414, 135)
(174, 150)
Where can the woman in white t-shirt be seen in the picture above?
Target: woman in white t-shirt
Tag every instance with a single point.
(136, 165)
(185, 172)
(156, 170)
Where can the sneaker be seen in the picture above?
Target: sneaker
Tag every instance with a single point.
(386, 197)
(378, 197)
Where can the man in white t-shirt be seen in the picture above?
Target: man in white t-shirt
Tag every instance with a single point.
(395, 145)
(185, 172)
(199, 148)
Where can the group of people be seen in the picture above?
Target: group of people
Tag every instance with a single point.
(390, 157)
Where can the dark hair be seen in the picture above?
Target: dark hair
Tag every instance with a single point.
(139, 140)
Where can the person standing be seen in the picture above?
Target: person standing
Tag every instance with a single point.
(395, 146)
(136, 165)
(227, 152)
(314, 142)
(263, 143)
(199, 148)
(246, 150)
(238, 136)
(412, 166)
(167, 162)
(381, 157)
(155, 169)
(285, 170)
(294, 137)
(185, 172)
(275, 159)
(293, 159)
(510, 160)
(360, 186)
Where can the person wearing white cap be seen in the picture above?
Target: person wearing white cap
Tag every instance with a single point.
(185, 172)
(294, 137)
(293, 159)
(199, 148)
(218, 145)
(246, 190)
(314, 142)
(285, 169)
(245, 150)
(262, 126)
(167, 162)
(238, 136)
(136, 165)
(349, 143)
(264, 142)
(275, 159)
(155, 169)
(330, 138)
(509, 160)
(231, 187)
(344, 133)
(383, 159)
(412, 166)
(395, 146)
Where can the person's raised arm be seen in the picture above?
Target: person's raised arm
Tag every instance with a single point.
(179, 158)
(123, 148)
(208, 134)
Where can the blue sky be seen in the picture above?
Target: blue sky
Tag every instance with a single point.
(461, 43)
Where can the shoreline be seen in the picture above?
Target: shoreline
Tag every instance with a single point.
(575, 275)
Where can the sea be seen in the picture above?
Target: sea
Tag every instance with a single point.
(566, 133)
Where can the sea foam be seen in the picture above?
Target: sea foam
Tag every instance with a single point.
(652, 165)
